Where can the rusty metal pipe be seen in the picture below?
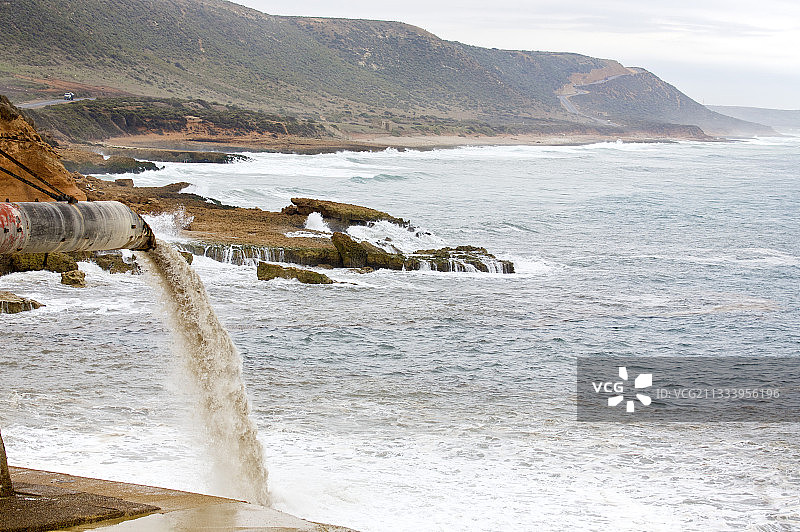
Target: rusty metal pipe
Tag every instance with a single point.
(33, 227)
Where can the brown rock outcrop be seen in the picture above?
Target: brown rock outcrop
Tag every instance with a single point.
(238, 235)
(12, 303)
(60, 262)
(54, 262)
(463, 258)
(267, 272)
(28, 262)
(360, 254)
(353, 254)
(342, 214)
(74, 278)
(113, 262)
(19, 139)
(110, 261)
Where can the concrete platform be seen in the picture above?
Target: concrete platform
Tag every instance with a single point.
(48, 500)
(38, 507)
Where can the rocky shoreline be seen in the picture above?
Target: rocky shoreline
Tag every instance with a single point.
(153, 146)
(352, 254)
(237, 235)
(222, 232)
(99, 159)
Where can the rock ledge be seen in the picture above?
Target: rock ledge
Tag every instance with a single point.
(12, 303)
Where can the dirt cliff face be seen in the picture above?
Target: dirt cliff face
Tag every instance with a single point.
(19, 139)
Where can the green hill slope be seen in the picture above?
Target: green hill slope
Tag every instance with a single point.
(318, 68)
(643, 96)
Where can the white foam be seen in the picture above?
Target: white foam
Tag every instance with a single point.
(168, 226)
(315, 222)
(394, 238)
(529, 265)
(788, 140)
(306, 234)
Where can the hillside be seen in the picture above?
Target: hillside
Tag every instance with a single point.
(641, 95)
(39, 173)
(109, 117)
(781, 118)
(353, 73)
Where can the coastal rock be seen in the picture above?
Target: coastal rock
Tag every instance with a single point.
(462, 259)
(110, 261)
(28, 262)
(339, 215)
(60, 262)
(6, 265)
(86, 162)
(113, 262)
(268, 272)
(378, 258)
(177, 156)
(82, 256)
(312, 256)
(74, 278)
(360, 254)
(245, 253)
(187, 256)
(353, 254)
(124, 165)
(12, 303)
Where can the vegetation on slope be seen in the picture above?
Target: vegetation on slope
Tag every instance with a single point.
(642, 96)
(109, 117)
(220, 51)
(357, 69)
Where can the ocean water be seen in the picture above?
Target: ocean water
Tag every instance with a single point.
(446, 401)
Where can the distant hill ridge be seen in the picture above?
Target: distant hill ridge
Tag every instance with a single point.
(784, 118)
(326, 69)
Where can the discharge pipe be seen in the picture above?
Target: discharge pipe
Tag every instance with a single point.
(34, 227)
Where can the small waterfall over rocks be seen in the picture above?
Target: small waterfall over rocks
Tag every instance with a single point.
(215, 367)
(463, 259)
(466, 259)
(237, 254)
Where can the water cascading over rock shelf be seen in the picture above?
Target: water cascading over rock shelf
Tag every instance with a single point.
(215, 367)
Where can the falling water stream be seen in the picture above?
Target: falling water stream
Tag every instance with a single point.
(214, 366)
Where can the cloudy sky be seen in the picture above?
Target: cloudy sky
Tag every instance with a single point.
(719, 52)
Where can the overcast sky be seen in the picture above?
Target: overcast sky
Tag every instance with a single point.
(719, 52)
